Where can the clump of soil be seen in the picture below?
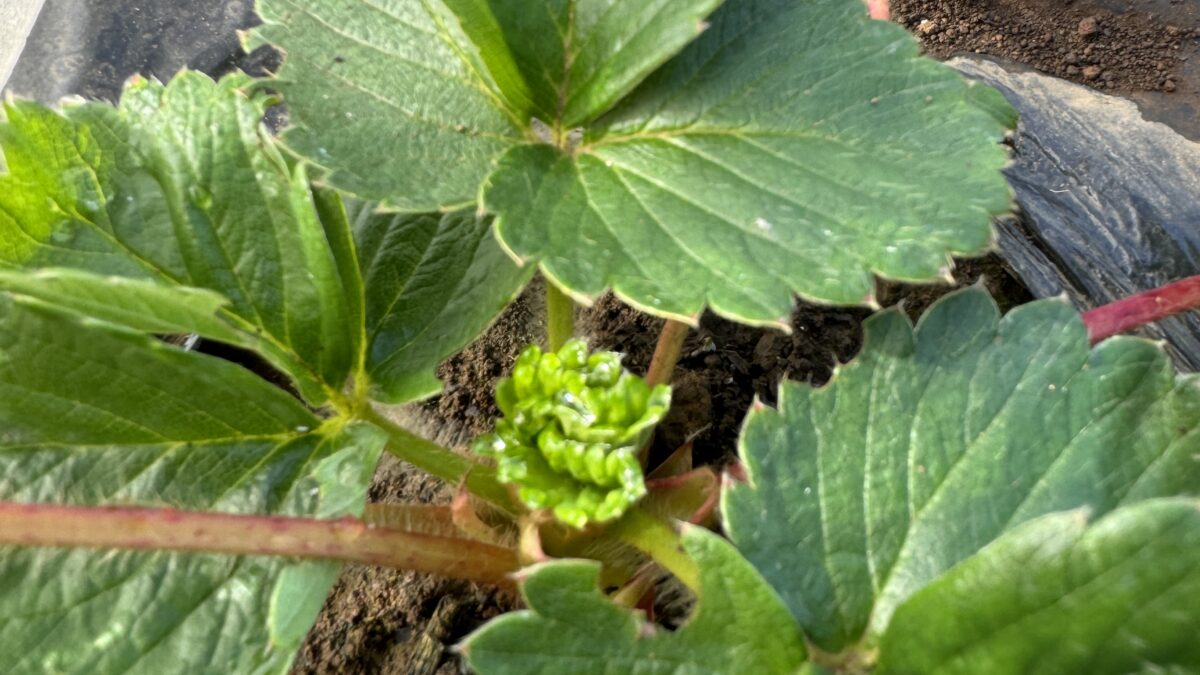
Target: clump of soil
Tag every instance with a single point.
(1079, 41)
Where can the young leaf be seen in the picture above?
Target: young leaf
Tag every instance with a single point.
(931, 444)
(94, 414)
(434, 282)
(788, 131)
(180, 186)
(1058, 595)
(571, 627)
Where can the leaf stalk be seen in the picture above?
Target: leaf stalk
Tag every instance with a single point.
(659, 540)
(479, 479)
(1143, 308)
(666, 352)
(560, 317)
(344, 539)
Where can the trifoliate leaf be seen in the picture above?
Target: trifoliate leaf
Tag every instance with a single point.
(1058, 595)
(572, 427)
(793, 147)
(933, 443)
(777, 154)
(434, 282)
(180, 186)
(738, 627)
(93, 414)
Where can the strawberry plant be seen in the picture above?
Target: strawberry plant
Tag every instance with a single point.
(977, 494)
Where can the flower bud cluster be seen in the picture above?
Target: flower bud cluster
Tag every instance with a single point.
(571, 428)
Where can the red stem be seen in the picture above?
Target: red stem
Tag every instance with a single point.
(1141, 309)
(346, 539)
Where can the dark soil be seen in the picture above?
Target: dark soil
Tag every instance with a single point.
(379, 620)
(1145, 50)
(1076, 40)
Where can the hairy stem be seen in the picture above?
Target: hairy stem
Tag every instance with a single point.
(662, 366)
(660, 541)
(666, 352)
(560, 317)
(346, 539)
(480, 480)
(1141, 309)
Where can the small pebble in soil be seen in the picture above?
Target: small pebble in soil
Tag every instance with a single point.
(1089, 27)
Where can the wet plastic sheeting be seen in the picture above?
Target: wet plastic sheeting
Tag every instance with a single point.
(90, 47)
(1110, 203)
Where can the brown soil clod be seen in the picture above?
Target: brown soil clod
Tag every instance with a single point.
(1128, 50)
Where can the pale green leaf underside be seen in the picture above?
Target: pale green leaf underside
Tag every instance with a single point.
(739, 625)
(794, 147)
(1060, 596)
(135, 303)
(180, 186)
(931, 444)
(434, 282)
(93, 414)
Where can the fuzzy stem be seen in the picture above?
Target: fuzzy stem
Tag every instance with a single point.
(442, 462)
(1143, 308)
(635, 589)
(346, 539)
(660, 541)
(666, 352)
(560, 317)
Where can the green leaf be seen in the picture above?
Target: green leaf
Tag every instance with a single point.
(389, 96)
(1058, 595)
(94, 414)
(794, 147)
(933, 443)
(181, 186)
(576, 58)
(434, 282)
(739, 627)
(134, 303)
